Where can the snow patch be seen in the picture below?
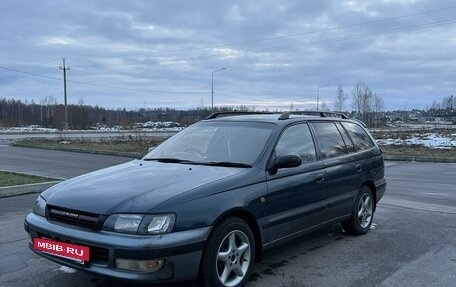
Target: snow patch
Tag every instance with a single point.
(159, 126)
(105, 128)
(430, 140)
(31, 128)
(167, 126)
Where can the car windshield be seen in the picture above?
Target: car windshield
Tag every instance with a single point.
(215, 142)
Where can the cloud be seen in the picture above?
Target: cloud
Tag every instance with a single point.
(276, 52)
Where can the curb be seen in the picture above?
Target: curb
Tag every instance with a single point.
(25, 188)
(418, 158)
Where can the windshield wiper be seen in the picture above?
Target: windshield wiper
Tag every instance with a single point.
(226, 163)
(169, 159)
(210, 163)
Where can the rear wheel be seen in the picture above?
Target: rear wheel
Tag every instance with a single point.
(362, 214)
(229, 255)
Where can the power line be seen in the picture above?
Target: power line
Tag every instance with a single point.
(30, 74)
(223, 45)
(138, 90)
(34, 71)
(101, 85)
(346, 38)
(362, 35)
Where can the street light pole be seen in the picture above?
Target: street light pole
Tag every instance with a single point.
(212, 90)
(318, 94)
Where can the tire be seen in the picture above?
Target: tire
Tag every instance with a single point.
(229, 255)
(362, 214)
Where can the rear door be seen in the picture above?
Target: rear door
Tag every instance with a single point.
(296, 197)
(343, 172)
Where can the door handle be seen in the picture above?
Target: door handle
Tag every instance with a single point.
(319, 177)
(358, 168)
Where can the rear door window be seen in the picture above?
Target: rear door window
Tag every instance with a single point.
(329, 140)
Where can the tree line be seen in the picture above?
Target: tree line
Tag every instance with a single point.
(445, 107)
(49, 113)
(366, 105)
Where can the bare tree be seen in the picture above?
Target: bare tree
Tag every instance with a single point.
(379, 105)
(435, 105)
(291, 106)
(339, 104)
(448, 103)
(362, 98)
(324, 107)
(357, 95)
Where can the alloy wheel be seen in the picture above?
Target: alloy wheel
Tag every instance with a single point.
(365, 210)
(233, 258)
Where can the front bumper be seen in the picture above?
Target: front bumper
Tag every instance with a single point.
(181, 250)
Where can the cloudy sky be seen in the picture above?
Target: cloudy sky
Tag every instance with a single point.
(276, 53)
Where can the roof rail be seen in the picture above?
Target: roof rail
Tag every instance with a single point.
(286, 115)
(234, 113)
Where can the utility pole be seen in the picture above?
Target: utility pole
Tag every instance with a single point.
(64, 68)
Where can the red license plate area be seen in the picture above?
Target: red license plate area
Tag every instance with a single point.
(70, 251)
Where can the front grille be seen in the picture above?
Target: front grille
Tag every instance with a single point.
(74, 217)
(97, 254)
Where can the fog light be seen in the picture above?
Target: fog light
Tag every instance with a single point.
(140, 265)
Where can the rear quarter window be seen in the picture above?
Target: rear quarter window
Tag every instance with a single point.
(348, 142)
(359, 136)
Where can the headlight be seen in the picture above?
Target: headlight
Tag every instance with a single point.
(159, 224)
(140, 223)
(124, 222)
(40, 206)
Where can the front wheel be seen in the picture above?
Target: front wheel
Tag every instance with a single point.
(362, 214)
(229, 255)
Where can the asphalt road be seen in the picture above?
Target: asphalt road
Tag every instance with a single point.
(412, 243)
(50, 163)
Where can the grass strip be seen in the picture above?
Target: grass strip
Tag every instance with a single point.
(11, 179)
(133, 147)
(137, 147)
(419, 151)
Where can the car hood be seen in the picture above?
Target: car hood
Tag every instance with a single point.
(136, 186)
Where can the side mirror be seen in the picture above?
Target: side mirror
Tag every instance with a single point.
(151, 149)
(287, 161)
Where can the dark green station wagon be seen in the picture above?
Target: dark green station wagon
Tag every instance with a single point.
(208, 201)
